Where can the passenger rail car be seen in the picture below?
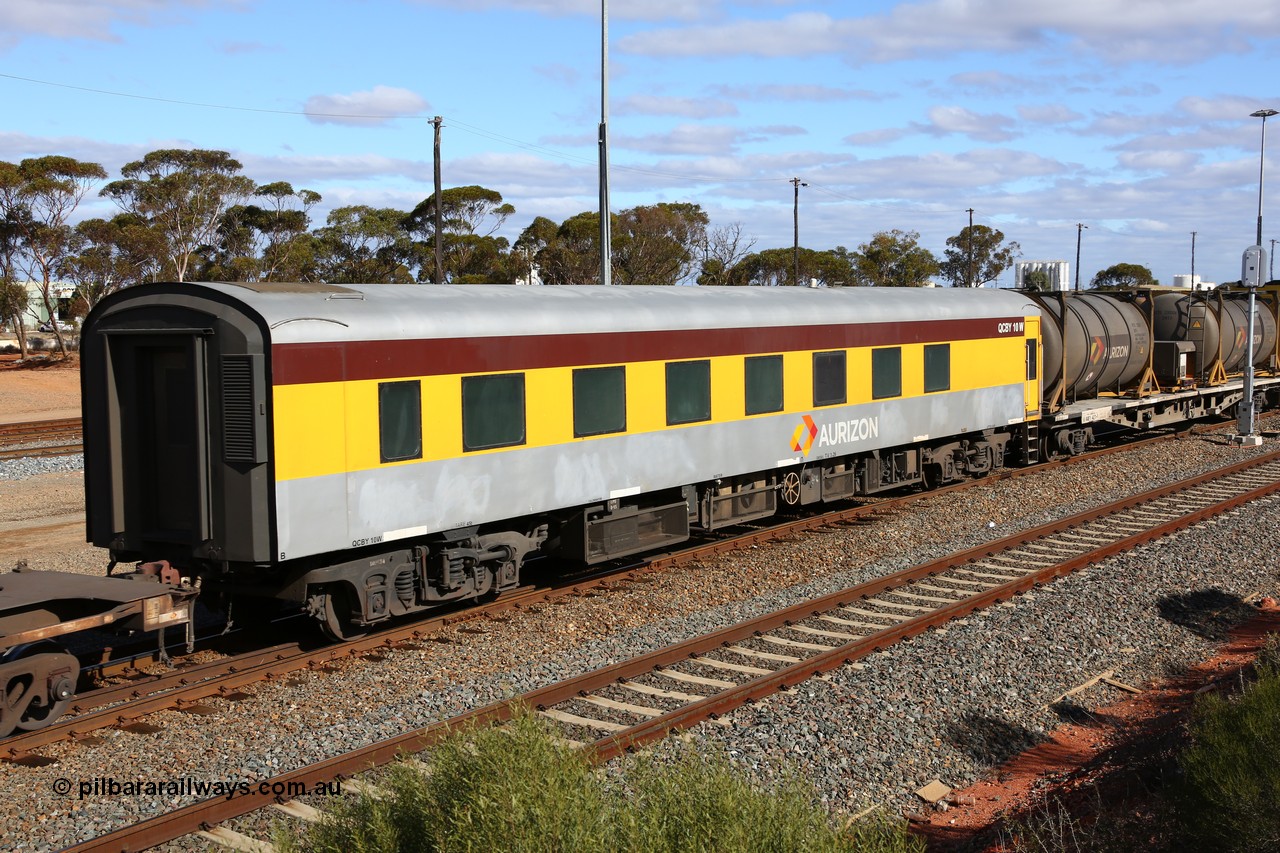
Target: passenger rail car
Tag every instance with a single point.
(372, 450)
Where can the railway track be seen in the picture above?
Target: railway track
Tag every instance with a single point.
(626, 705)
(33, 438)
(187, 687)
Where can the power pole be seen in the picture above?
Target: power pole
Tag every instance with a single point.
(968, 274)
(795, 218)
(1080, 226)
(1193, 260)
(438, 251)
(1271, 276)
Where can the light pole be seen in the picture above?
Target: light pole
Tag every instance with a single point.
(1250, 275)
(1262, 159)
(606, 242)
(795, 219)
(1271, 276)
(1080, 226)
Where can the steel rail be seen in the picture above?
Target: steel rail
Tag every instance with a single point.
(207, 813)
(61, 426)
(40, 451)
(188, 687)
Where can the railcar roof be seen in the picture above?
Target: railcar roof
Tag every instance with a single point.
(300, 313)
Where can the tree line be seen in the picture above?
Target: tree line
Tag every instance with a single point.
(191, 215)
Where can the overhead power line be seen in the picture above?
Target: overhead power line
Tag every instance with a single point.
(453, 122)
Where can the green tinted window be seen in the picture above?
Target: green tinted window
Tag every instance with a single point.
(937, 367)
(599, 400)
(830, 387)
(886, 373)
(688, 391)
(764, 384)
(400, 420)
(492, 411)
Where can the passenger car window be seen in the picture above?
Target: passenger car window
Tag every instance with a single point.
(400, 420)
(599, 400)
(886, 373)
(937, 367)
(688, 392)
(830, 385)
(763, 384)
(492, 411)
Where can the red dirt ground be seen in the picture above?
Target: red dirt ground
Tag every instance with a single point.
(1084, 764)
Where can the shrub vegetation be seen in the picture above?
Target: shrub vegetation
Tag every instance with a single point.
(1229, 795)
(518, 788)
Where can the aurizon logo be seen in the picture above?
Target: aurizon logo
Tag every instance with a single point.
(802, 438)
(1096, 349)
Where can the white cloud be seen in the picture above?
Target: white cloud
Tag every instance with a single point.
(380, 105)
(993, 82)
(1167, 31)
(87, 20)
(1158, 161)
(658, 105)
(694, 139)
(876, 137)
(1043, 114)
(811, 93)
(1222, 108)
(990, 127)
(640, 10)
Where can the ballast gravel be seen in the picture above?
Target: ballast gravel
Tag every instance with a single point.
(25, 467)
(949, 704)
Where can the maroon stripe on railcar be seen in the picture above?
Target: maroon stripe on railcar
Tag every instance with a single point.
(296, 364)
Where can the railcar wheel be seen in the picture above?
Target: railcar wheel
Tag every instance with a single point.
(332, 611)
(931, 476)
(37, 683)
(791, 489)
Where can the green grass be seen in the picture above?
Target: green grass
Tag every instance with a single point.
(1229, 796)
(517, 788)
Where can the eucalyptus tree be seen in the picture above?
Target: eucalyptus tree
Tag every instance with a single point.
(977, 255)
(13, 293)
(47, 193)
(364, 244)
(1036, 280)
(659, 243)
(266, 240)
(1124, 275)
(183, 194)
(282, 220)
(469, 217)
(894, 259)
(526, 252)
(573, 254)
(108, 254)
(776, 268)
(724, 248)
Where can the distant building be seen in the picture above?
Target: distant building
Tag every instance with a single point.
(1059, 273)
(1193, 282)
(534, 276)
(36, 315)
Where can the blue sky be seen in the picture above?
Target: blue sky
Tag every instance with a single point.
(1130, 117)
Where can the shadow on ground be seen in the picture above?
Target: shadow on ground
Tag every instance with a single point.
(1207, 613)
(990, 739)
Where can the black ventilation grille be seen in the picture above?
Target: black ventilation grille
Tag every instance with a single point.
(239, 415)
